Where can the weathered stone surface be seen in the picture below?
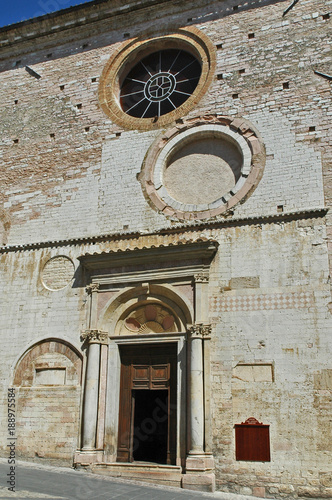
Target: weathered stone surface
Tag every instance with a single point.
(69, 176)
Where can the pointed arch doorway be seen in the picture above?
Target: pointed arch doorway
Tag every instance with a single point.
(148, 404)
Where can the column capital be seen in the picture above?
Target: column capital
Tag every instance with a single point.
(93, 287)
(94, 337)
(199, 330)
(202, 277)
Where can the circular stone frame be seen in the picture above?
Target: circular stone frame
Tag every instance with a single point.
(238, 132)
(190, 39)
(62, 268)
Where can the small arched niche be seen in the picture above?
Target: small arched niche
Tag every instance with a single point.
(51, 362)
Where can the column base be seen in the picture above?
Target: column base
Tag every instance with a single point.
(88, 457)
(199, 474)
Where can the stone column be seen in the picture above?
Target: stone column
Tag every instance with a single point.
(199, 463)
(197, 333)
(94, 338)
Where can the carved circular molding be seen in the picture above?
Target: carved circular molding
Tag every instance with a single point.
(156, 70)
(57, 273)
(202, 168)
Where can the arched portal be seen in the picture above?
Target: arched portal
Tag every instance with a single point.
(146, 391)
(145, 410)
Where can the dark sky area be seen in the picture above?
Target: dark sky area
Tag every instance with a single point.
(14, 11)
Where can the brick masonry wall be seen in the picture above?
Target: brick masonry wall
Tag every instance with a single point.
(57, 437)
(60, 179)
(72, 174)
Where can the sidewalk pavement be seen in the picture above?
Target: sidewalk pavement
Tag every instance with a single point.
(39, 481)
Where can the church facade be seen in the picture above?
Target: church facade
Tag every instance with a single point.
(165, 236)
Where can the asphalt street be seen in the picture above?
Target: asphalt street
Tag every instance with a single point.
(35, 481)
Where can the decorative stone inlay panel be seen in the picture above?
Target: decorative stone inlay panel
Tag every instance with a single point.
(295, 300)
(151, 318)
(57, 273)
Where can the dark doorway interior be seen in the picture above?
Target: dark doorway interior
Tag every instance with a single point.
(150, 425)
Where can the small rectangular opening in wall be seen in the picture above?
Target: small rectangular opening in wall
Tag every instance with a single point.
(220, 76)
(50, 376)
(241, 71)
(252, 441)
(62, 87)
(285, 85)
(126, 35)
(326, 16)
(219, 46)
(235, 7)
(79, 106)
(94, 79)
(280, 209)
(251, 35)
(312, 128)
(49, 55)
(235, 96)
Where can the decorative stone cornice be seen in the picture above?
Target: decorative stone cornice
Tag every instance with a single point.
(199, 330)
(178, 228)
(94, 337)
(93, 287)
(200, 250)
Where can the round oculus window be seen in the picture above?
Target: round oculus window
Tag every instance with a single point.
(149, 83)
(159, 83)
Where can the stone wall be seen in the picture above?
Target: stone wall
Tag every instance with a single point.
(68, 173)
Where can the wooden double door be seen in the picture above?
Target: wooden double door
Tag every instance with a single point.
(147, 410)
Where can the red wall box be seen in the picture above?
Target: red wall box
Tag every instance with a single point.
(252, 441)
